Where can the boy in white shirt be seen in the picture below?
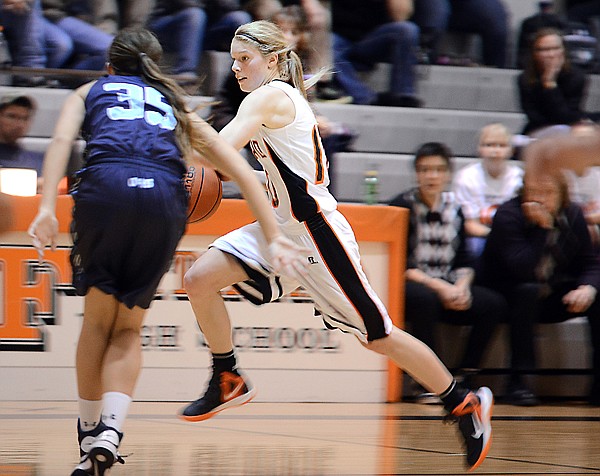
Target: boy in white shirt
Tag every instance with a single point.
(584, 189)
(481, 187)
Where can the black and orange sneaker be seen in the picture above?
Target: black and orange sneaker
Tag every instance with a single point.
(225, 390)
(474, 416)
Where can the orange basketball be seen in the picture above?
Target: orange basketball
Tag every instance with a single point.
(205, 190)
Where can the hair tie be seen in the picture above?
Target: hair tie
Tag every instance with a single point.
(142, 55)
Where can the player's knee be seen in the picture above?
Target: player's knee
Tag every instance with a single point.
(196, 281)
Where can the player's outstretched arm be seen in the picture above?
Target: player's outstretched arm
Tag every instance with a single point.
(44, 228)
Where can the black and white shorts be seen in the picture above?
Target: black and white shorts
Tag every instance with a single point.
(335, 279)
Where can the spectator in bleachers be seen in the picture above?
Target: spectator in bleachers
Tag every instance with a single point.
(431, 16)
(112, 15)
(200, 25)
(21, 21)
(481, 187)
(486, 18)
(70, 41)
(551, 90)
(180, 25)
(262, 9)
(539, 255)
(16, 115)
(585, 189)
(582, 10)
(224, 17)
(312, 41)
(546, 17)
(370, 32)
(292, 22)
(439, 274)
(320, 48)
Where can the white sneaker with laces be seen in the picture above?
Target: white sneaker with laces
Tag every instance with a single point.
(104, 451)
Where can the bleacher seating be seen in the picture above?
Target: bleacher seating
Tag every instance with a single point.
(395, 173)
(440, 87)
(472, 89)
(564, 357)
(401, 130)
(49, 101)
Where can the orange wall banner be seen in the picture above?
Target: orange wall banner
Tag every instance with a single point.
(37, 297)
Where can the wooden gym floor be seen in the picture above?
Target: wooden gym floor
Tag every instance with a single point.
(38, 439)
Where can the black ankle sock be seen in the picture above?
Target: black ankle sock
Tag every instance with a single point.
(224, 362)
(453, 396)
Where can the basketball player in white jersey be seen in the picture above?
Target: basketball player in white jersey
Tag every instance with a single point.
(278, 123)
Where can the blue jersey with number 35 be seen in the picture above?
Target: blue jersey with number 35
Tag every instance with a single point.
(126, 118)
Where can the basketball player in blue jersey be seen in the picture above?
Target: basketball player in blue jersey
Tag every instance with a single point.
(130, 212)
(278, 123)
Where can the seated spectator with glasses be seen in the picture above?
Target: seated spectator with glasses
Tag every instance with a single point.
(551, 90)
(439, 273)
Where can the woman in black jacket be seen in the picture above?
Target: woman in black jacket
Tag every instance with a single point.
(539, 255)
(551, 90)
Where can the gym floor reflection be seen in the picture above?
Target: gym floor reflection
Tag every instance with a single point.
(39, 439)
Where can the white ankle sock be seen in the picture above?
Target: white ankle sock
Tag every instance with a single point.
(116, 407)
(90, 412)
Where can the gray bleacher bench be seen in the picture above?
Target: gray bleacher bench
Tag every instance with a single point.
(476, 88)
(40, 144)
(564, 355)
(395, 173)
(440, 87)
(401, 130)
(49, 103)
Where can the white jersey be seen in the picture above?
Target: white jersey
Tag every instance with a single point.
(479, 194)
(295, 164)
(297, 180)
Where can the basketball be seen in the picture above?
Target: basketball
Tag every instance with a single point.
(205, 190)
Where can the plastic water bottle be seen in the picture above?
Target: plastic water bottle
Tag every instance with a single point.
(5, 59)
(371, 187)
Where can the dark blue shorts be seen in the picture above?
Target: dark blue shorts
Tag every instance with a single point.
(127, 221)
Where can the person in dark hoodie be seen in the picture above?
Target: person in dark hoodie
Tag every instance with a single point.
(540, 256)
